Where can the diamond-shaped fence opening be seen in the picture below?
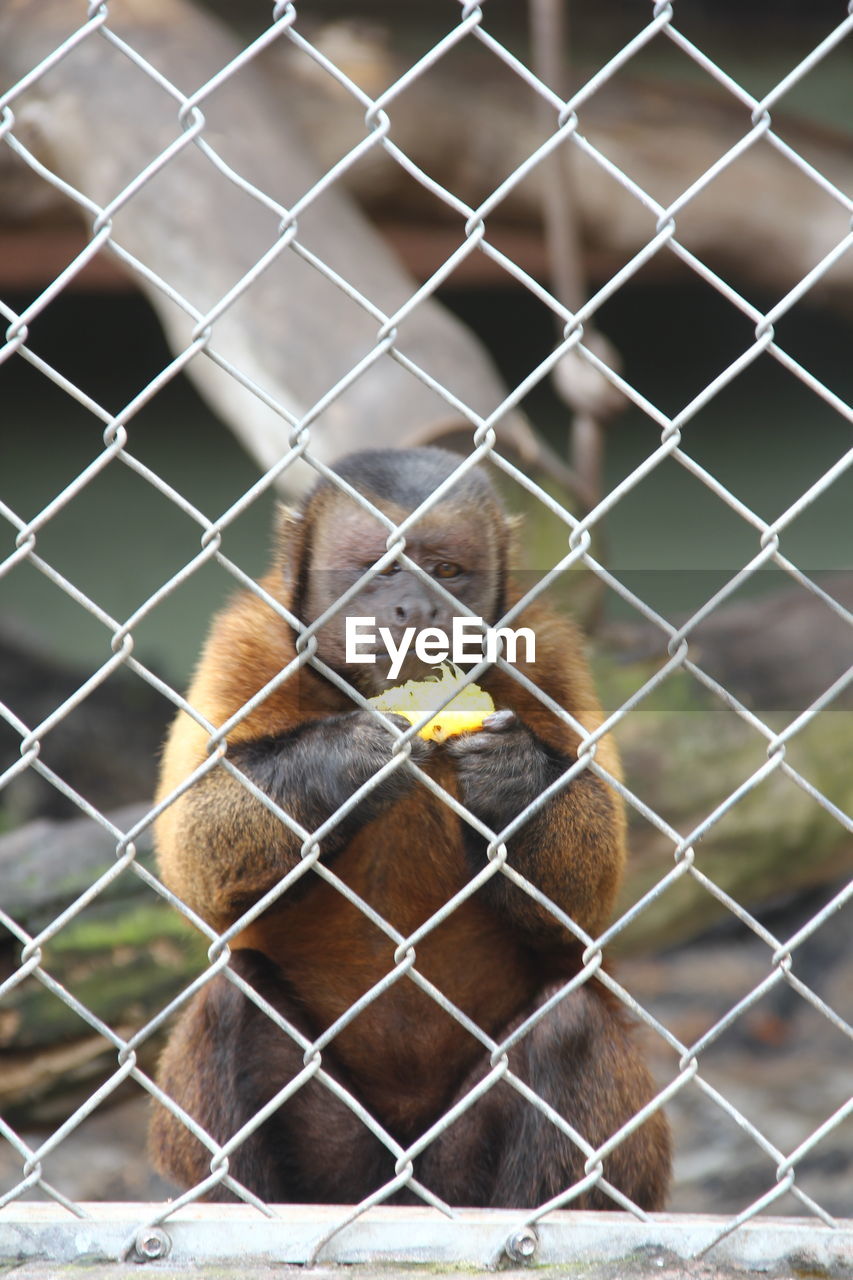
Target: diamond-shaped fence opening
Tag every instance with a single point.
(464, 1022)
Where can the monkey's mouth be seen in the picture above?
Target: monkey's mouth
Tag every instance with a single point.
(377, 677)
(412, 668)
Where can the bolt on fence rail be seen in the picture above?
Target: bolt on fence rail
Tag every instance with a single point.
(367, 1229)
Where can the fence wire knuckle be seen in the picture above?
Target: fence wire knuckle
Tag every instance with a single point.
(191, 136)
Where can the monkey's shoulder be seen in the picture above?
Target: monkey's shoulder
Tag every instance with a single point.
(250, 659)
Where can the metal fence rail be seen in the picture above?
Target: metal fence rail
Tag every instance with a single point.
(824, 1235)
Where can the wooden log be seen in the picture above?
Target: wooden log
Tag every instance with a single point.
(92, 748)
(662, 132)
(684, 762)
(469, 123)
(685, 751)
(97, 122)
(124, 957)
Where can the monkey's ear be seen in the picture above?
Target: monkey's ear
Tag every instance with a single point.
(287, 519)
(514, 526)
(289, 539)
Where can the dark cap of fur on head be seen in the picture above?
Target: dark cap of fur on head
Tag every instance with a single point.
(408, 477)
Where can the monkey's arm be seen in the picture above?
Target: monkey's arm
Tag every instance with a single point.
(221, 848)
(571, 847)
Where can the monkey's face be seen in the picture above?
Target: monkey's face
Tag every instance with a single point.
(461, 558)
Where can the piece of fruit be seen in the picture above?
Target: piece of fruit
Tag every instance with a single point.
(467, 710)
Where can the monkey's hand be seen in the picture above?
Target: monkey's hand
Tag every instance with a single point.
(313, 771)
(360, 745)
(501, 768)
(570, 847)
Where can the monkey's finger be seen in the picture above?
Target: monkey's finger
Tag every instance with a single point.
(500, 721)
(420, 748)
(471, 744)
(400, 721)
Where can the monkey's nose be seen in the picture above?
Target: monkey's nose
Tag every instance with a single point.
(416, 612)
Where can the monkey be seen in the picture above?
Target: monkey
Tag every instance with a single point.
(499, 960)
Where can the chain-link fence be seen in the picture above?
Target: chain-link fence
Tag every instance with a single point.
(343, 384)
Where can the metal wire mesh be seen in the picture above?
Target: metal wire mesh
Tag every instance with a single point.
(389, 344)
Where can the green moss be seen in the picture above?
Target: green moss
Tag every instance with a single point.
(105, 927)
(122, 965)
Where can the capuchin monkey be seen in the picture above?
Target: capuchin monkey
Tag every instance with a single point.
(498, 958)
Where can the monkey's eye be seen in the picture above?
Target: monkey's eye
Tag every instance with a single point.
(446, 569)
(393, 567)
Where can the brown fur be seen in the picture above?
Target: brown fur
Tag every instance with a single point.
(314, 953)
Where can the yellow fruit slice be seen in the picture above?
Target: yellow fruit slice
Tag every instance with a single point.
(467, 710)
